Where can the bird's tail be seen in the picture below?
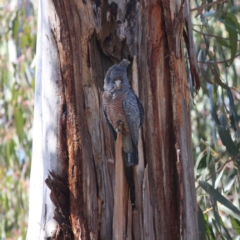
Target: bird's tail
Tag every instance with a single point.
(131, 159)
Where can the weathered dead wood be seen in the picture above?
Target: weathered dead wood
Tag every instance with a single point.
(120, 197)
(181, 189)
(139, 169)
(60, 197)
(129, 220)
(148, 231)
(89, 37)
(138, 210)
(135, 87)
(74, 144)
(188, 37)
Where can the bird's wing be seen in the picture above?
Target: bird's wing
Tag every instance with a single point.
(112, 130)
(135, 113)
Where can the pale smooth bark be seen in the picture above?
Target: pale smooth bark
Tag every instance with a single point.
(45, 130)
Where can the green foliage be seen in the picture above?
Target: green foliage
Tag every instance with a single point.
(17, 50)
(215, 119)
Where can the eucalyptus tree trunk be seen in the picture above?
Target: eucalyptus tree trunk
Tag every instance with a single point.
(73, 167)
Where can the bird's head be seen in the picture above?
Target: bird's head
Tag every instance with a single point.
(116, 77)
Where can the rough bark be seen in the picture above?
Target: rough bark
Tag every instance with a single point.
(81, 40)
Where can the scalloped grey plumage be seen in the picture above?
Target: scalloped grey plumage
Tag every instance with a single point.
(122, 106)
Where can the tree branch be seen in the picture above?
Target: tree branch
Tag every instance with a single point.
(211, 35)
(221, 168)
(206, 5)
(228, 60)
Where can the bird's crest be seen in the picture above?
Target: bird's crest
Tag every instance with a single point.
(124, 63)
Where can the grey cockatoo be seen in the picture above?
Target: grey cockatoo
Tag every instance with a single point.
(122, 107)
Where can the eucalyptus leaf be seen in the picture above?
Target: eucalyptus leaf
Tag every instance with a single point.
(232, 32)
(216, 214)
(223, 42)
(218, 233)
(218, 196)
(226, 233)
(235, 224)
(228, 183)
(209, 232)
(223, 120)
(227, 141)
(233, 118)
(212, 105)
(235, 20)
(218, 179)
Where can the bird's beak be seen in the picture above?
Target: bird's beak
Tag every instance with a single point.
(118, 84)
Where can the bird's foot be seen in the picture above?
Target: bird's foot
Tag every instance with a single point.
(119, 126)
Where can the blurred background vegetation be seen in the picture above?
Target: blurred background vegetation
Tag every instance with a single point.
(215, 115)
(18, 30)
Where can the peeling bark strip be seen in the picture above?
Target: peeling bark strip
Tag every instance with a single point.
(174, 30)
(174, 27)
(181, 118)
(147, 209)
(60, 197)
(120, 197)
(180, 184)
(188, 37)
(74, 144)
